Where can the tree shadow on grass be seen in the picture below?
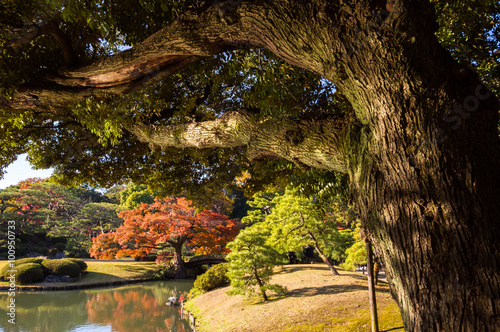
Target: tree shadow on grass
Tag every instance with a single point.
(302, 267)
(134, 268)
(364, 278)
(139, 271)
(394, 329)
(326, 290)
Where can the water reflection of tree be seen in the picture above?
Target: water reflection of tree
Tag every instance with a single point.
(134, 310)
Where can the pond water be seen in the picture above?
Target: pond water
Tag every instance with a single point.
(136, 307)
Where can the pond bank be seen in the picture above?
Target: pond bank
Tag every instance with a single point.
(99, 274)
(71, 286)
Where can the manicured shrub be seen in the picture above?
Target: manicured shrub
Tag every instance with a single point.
(82, 264)
(29, 273)
(215, 277)
(4, 273)
(29, 260)
(62, 267)
(60, 246)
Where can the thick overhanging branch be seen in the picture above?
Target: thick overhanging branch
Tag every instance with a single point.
(307, 143)
(233, 24)
(131, 77)
(190, 38)
(228, 131)
(58, 97)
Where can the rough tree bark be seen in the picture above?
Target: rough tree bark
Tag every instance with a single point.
(310, 143)
(422, 152)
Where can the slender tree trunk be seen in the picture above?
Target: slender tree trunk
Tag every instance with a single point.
(261, 284)
(371, 287)
(327, 260)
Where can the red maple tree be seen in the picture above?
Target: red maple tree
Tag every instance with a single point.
(167, 223)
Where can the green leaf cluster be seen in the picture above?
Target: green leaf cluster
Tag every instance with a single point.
(213, 278)
(356, 253)
(44, 209)
(296, 221)
(134, 195)
(470, 30)
(90, 136)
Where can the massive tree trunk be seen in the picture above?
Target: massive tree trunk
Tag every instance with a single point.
(431, 204)
(422, 152)
(424, 172)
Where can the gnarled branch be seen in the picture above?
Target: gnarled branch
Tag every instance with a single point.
(233, 24)
(306, 142)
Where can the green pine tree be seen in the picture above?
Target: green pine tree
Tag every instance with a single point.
(251, 262)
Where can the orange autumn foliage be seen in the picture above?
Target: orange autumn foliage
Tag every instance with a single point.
(31, 181)
(212, 234)
(167, 223)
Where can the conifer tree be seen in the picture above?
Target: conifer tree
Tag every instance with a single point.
(251, 262)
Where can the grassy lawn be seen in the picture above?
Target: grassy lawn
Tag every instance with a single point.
(103, 272)
(316, 301)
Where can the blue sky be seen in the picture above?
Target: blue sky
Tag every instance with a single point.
(21, 170)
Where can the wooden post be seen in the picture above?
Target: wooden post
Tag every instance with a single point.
(371, 286)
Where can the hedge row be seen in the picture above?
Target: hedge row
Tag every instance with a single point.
(30, 270)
